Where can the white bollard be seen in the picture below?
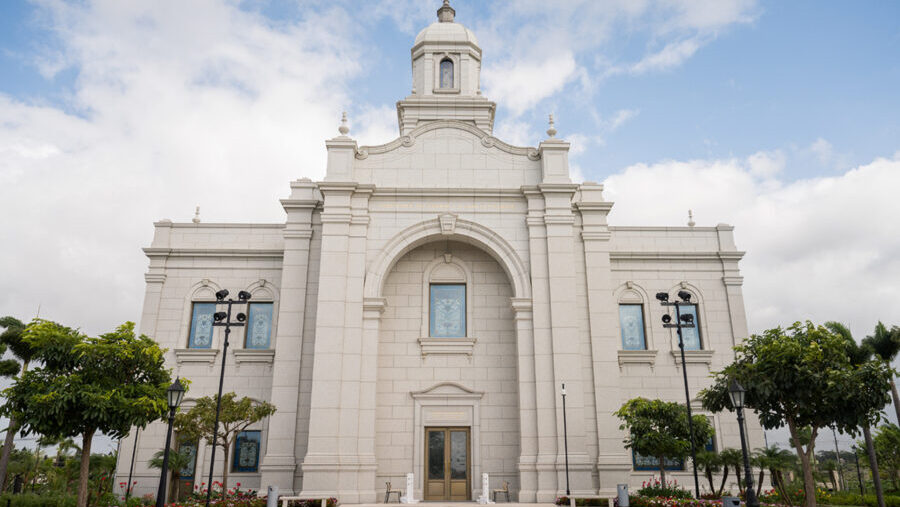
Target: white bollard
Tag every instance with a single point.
(485, 497)
(410, 490)
(272, 498)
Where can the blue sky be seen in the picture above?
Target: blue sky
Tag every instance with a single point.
(781, 118)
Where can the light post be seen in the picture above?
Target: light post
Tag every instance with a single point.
(737, 392)
(175, 394)
(566, 444)
(223, 319)
(682, 321)
(862, 487)
(131, 467)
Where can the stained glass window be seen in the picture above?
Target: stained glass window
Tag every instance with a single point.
(202, 326)
(259, 326)
(189, 449)
(691, 335)
(648, 463)
(246, 452)
(448, 311)
(446, 74)
(631, 321)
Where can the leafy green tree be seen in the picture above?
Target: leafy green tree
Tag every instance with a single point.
(235, 416)
(887, 447)
(84, 385)
(885, 344)
(11, 339)
(710, 463)
(177, 462)
(776, 461)
(660, 429)
(802, 376)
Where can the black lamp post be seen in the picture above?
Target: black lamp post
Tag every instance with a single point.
(737, 392)
(682, 321)
(175, 394)
(862, 487)
(566, 442)
(131, 467)
(223, 319)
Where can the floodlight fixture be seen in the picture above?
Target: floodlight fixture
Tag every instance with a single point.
(221, 295)
(243, 295)
(666, 318)
(219, 316)
(685, 296)
(241, 317)
(662, 296)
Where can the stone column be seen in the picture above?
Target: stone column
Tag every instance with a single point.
(528, 434)
(613, 460)
(280, 463)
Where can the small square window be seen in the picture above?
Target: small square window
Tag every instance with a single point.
(246, 452)
(448, 311)
(259, 326)
(631, 322)
(202, 326)
(691, 335)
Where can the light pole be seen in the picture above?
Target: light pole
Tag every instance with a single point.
(737, 392)
(566, 443)
(837, 458)
(223, 319)
(682, 321)
(131, 467)
(175, 394)
(862, 487)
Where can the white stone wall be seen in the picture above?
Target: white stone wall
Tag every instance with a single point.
(491, 369)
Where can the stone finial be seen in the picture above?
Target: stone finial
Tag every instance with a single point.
(196, 218)
(446, 13)
(691, 222)
(344, 129)
(552, 130)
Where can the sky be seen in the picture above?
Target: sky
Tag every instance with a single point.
(781, 118)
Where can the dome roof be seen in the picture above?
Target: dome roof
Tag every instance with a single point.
(446, 32)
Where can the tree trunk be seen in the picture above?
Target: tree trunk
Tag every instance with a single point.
(662, 471)
(85, 468)
(724, 478)
(709, 478)
(896, 399)
(809, 483)
(737, 470)
(225, 468)
(13, 428)
(873, 464)
(762, 475)
(779, 486)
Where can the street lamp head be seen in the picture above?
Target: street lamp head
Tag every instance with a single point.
(563, 390)
(687, 318)
(221, 295)
(241, 317)
(244, 295)
(662, 296)
(175, 394)
(685, 296)
(219, 316)
(666, 318)
(736, 392)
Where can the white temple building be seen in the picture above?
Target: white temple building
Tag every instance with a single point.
(419, 309)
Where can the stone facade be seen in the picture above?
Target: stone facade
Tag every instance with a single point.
(352, 367)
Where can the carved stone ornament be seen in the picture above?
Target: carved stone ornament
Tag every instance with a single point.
(487, 141)
(408, 141)
(448, 223)
(362, 154)
(534, 154)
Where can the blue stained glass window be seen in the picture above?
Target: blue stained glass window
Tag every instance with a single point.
(246, 452)
(631, 321)
(647, 463)
(190, 449)
(691, 335)
(202, 326)
(448, 311)
(259, 326)
(446, 74)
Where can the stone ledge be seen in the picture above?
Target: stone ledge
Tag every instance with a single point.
(254, 356)
(196, 355)
(461, 346)
(694, 356)
(637, 357)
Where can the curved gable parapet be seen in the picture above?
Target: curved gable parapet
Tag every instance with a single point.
(487, 140)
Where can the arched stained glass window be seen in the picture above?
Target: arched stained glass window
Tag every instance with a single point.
(446, 73)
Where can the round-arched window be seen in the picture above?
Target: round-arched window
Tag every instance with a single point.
(446, 73)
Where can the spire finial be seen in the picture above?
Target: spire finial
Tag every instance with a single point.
(552, 130)
(691, 222)
(446, 13)
(196, 218)
(344, 129)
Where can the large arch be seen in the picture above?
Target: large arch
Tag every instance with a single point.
(448, 227)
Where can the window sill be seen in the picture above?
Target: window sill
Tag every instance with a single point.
(254, 355)
(447, 91)
(196, 355)
(435, 346)
(694, 356)
(637, 357)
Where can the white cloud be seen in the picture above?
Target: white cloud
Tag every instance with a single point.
(672, 55)
(620, 117)
(520, 85)
(822, 150)
(820, 248)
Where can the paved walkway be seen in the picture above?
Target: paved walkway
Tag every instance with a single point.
(449, 504)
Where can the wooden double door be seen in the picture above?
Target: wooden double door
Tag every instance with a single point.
(448, 463)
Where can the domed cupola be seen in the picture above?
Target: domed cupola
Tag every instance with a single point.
(446, 69)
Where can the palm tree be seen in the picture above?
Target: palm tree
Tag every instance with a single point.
(178, 461)
(11, 338)
(886, 345)
(776, 460)
(733, 458)
(710, 463)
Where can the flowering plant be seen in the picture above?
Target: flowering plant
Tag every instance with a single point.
(669, 489)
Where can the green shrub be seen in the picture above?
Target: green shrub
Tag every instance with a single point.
(584, 502)
(36, 500)
(847, 498)
(655, 489)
